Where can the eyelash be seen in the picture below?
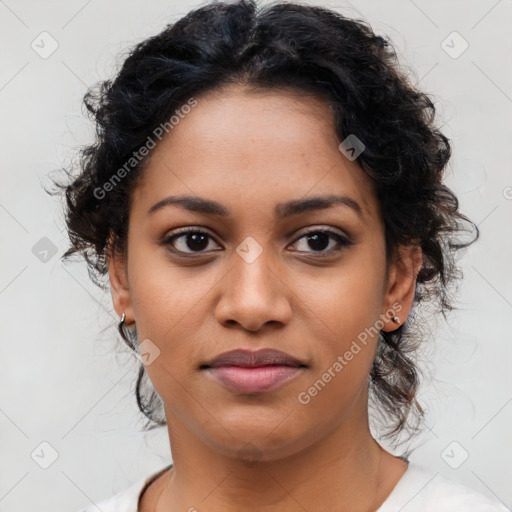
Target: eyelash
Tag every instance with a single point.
(344, 242)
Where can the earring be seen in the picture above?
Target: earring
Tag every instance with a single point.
(125, 334)
(396, 320)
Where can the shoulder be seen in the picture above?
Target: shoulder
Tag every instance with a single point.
(124, 501)
(128, 499)
(423, 490)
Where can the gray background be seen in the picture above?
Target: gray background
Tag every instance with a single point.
(63, 382)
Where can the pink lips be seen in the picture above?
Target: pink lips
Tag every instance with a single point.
(246, 371)
(253, 380)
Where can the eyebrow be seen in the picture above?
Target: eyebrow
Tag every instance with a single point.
(281, 210)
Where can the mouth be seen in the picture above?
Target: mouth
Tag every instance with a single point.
(248, 372)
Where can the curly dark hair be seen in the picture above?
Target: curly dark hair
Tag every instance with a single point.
(310, 49)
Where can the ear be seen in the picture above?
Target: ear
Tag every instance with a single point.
(119, 286)
(401, 285)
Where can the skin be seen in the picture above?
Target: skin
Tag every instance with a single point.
(250, 150)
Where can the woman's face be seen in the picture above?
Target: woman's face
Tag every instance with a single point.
(250, 278)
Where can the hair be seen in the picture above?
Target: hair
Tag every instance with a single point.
(309, 49)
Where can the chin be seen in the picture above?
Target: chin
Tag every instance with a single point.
(266, 438)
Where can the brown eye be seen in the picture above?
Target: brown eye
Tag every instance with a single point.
(319, 241)
(188, 241)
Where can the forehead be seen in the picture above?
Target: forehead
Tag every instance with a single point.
(254, 146)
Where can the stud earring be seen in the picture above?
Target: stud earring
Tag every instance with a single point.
(396, 320)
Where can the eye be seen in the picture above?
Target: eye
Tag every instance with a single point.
(192, 239)
(318, 240)
(196, 241)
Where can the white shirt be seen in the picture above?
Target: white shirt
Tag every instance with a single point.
(419, 490)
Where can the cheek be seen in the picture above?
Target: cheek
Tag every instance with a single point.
(166, 296)
(346, 313)
(169, 307)
(344, 355)
(349, 302)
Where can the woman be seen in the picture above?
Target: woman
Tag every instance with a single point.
(266, 197)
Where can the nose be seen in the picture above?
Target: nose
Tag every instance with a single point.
(253, 295)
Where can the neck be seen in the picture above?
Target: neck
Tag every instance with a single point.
(346, 470)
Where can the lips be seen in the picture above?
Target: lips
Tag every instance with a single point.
(251, 359)
(248, 372)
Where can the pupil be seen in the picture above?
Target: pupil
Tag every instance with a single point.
(313, 240)
(195, 238)
(317, 241)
